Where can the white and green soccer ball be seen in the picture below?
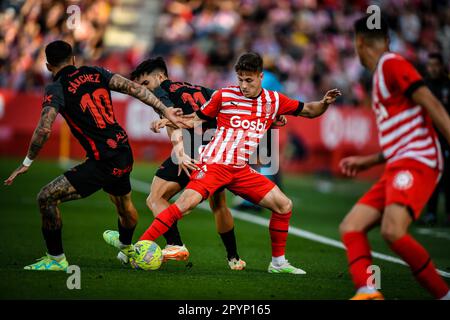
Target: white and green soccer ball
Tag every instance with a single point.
(148, 256)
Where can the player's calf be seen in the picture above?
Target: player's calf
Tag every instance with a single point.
(281, 207)
(59, 190)
(128, 217)
(188, 200)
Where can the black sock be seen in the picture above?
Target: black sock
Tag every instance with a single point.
(53, 241)
(125, 235)
(229, 240)
(172, 236)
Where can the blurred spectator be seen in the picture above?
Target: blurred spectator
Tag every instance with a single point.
(310, 41)
(26, 26)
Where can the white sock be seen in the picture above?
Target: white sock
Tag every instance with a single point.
(446, 297)
(278, 261)
(366, 289)
(58, 257)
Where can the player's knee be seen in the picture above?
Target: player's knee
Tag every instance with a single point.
(155, 203)
(347, 226)
(285, 206)
(186, 204)
(391, 233)
(150, 202)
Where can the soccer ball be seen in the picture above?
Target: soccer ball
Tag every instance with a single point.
(148, 255)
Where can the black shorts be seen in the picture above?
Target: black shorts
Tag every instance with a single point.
(169, 171)
(112, 175)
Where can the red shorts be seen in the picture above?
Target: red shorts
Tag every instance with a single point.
(244, 182)
(406, 182)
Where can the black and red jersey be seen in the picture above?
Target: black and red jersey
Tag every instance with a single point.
(189, 98)
(82, 96)
(183, 95)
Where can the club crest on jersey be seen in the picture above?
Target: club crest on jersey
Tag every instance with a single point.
(268, 107)
(403, 180)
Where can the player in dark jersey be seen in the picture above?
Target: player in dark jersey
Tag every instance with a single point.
(82, 96)
(173, 174)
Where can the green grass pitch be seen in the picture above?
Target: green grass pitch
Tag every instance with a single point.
(207, 276)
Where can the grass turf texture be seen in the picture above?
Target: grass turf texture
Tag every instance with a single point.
(207, 276)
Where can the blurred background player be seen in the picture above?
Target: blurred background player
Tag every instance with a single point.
(82, 96)
(405, 110)
(173, 174)
(241, 123)
(439, 83)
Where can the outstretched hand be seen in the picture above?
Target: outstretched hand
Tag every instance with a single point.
(157, 125)
(351, 166)
(20, 170)
(280, 121)
(186, 164)
(331, 96)
(175, 115)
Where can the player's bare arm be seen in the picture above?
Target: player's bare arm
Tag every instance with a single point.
(351, 166)
(438, 114)
(38, 140)
(316, 108)
(184, 162)
(123, 85)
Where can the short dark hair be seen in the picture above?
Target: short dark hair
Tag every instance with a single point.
(250, 61)
(437, 56)
(58, 52)
(148, 66)
(361, 27)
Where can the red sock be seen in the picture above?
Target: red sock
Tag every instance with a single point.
(162, 223)
(421, 265)
(358, 256)
(278, 228)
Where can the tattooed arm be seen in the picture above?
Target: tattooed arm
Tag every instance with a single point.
(42, 131)
(123, 85)
(40, 136)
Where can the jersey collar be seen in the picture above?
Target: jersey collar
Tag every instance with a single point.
(66, 70)
(165, 84)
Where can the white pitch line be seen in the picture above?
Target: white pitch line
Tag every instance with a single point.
(143, 187)
(433, 233)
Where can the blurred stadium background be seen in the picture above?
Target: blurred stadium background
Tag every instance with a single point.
(306, 44)
(307, 48)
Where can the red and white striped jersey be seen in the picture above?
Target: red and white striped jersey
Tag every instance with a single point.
(405, 129)
(241, 122)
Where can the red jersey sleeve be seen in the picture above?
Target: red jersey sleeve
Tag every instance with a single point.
(289, 106)
(210, 108)
(401, 77)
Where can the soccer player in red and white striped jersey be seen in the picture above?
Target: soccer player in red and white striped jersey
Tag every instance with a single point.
(242, 122)
(244, 113)
(405, 110)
